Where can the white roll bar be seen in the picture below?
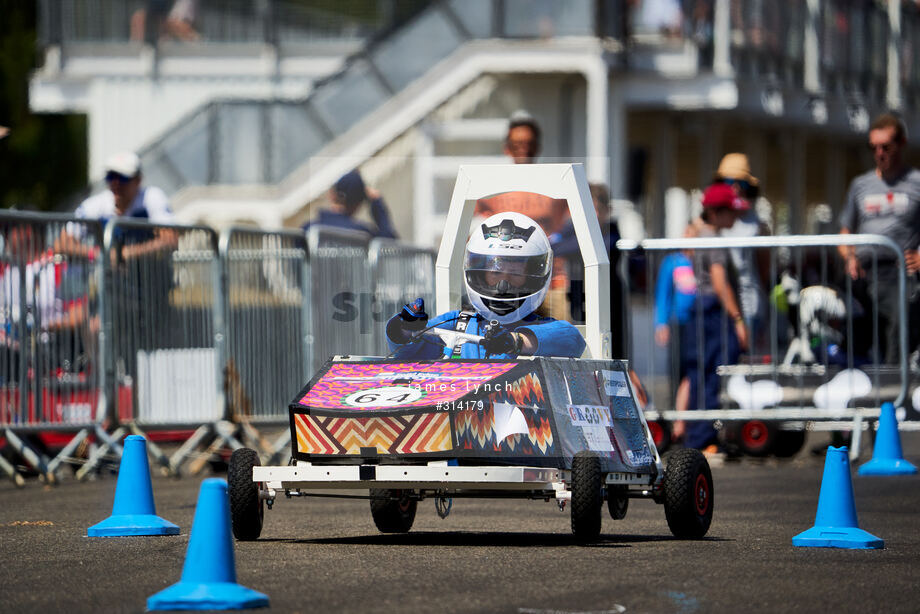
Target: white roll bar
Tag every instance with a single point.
(565, 181)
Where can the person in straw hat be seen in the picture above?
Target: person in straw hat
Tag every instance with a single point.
(752, 266)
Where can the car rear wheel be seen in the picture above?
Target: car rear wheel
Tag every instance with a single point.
(393, 510)
(617, 502)
(688, 494)
(246, 507)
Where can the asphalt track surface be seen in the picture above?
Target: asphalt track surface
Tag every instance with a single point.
(325, 555)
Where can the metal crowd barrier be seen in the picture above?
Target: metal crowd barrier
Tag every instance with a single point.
(165, 298)
(267, 311)
(342, 294)
(165, 330)
(816, 344)
(162, 327)
(267, 305)
(401, 273)
(51, 375)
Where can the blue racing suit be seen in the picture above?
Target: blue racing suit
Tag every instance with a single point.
(553, 337)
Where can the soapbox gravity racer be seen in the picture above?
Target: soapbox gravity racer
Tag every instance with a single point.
(535, 428)
(559, 429)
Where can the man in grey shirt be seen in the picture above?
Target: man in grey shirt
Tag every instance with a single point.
(886, 201)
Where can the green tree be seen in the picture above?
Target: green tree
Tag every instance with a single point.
(43, 159)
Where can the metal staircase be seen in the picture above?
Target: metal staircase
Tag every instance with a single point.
(289, 151)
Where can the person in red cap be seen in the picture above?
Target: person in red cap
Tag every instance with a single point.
(716, 303)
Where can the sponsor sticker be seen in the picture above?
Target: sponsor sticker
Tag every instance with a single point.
(590, 415)
(639, 458)
(597, 438)
(615, 383)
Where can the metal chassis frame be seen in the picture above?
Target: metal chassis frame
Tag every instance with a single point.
(438, 479)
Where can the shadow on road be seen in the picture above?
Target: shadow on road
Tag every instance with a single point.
(469, 539)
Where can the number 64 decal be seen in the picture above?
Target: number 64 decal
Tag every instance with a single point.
(384, 396)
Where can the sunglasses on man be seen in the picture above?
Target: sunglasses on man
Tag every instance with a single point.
(112, 176)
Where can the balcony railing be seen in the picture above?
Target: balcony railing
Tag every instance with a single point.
(273, 22)
(834, 47)
(261, 142)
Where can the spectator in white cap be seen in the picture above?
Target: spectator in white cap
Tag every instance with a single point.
(125, 196)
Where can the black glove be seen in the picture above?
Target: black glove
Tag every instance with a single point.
(497, 341)
(411, 319)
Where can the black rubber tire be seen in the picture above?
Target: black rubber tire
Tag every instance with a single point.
(392, 512)
(587, 495)
(617, 502)
(753, 437)
(247, 509)
(757, 437)
(688, 494)
(788, 443)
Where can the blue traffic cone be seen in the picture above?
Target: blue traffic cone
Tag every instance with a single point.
(887, 458)
(209, 574)
(133, 512)
(835, 522)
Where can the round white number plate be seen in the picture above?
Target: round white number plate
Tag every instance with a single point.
(385, 396)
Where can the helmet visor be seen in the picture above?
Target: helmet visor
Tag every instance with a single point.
(506, 277)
